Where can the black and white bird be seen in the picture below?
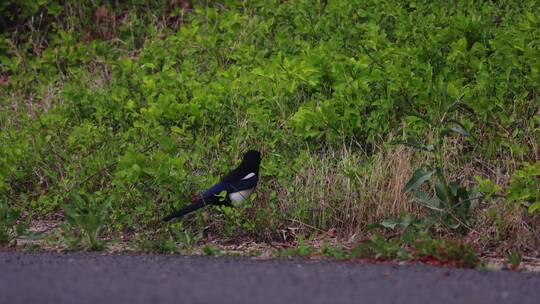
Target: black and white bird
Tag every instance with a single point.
(237, 185)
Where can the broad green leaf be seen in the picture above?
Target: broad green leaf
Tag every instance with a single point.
(419, 177)
(442, 192)
(430, 202)
(405, 221)
(455, 129)
(390, 223)
(453, 187)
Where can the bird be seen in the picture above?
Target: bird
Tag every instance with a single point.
(238, 185)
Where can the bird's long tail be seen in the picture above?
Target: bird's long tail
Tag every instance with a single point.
(198, 204)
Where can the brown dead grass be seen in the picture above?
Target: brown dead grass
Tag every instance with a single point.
(347, 191)
(497, 226)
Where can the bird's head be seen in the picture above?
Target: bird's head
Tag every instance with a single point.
(252, 158)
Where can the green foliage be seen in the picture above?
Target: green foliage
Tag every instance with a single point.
(235, 220)
(186, 238)
(211, 251)
(407, 223)
(174, 238)
(86, 217)
(414, 244)
(381, 248)
(525, 187)
(448, 197)
(514, 259)
(140, 109)
(487, 187)
(9, 228)
(452, 252)
(160, 242)
(334, 252)
(417, 246)
(498, 222)
(302, 248)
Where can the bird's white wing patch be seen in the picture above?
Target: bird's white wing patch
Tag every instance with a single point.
(249, 175)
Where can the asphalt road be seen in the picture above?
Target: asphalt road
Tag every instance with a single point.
(134, 278)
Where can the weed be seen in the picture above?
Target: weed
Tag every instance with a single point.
(302, 248)
(85, 220)
(525, 187)
(449, 198)
(334, 252)
(380, 248)
(185, 237)
(414, 246)
(31, 247)
(235, 220)
(211, 251)
(514, 259)
(10, 228)
(160, 242)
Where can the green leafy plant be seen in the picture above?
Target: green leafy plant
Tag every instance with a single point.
(86, 217)
(185, 237)
(211, 251)
(161, 242)
(380, 248)
(487, 187)
(525, 187)
(335, 252)
(9, 226)
(411, 246)
(418, 245)
(514, 259)
(235, 220)
(447, 197)
(452, 252)
(407, 223)
(302, 248)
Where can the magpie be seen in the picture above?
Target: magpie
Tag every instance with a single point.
(238, 185)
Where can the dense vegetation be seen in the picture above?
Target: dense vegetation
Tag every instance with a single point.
(389, 115)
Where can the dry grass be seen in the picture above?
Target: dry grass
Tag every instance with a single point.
(500, 228)
(497, 226)
(346, 190)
